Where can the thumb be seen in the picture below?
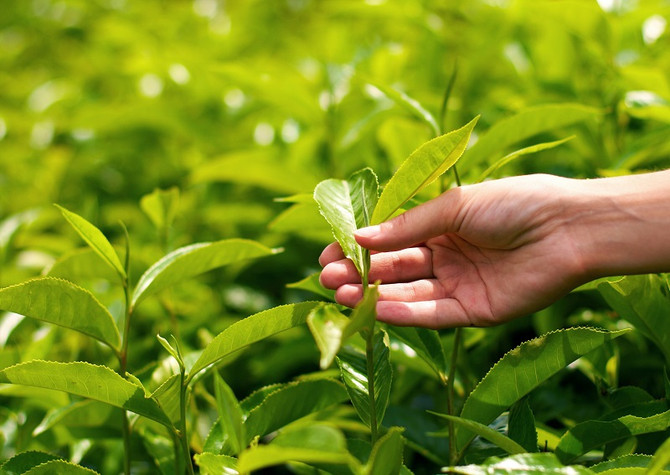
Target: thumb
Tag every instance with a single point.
(430, 219)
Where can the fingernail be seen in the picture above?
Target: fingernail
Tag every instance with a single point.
(369, 232)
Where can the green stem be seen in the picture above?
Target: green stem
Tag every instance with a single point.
(124, 350)
(182, 423)
(126, 443)
(453, 453)
(369, 356)
(447, 95)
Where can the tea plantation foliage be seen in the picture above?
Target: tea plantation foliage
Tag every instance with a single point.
(166, 316)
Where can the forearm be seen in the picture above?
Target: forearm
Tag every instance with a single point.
(621, 225)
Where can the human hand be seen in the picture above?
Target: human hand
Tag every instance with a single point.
(476, 255)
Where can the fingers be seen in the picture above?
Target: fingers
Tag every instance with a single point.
(443, 313)
(400, 266)
(424, 289)
(430, 219)
(331, 253)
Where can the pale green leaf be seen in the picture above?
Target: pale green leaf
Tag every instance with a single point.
(311, 283)
(523, 125)
(627, 461)
(518, 153)
(250, 330)
(216, 464)
(347, 205)
(661, 459)
(167, 395)
(422, 167)
(263, 456)
(353, 368)
(230, 415)
(173, 350)
(411, 105)
(61, 467)
(161, 206)
(523, 369)
(24, 461)
(386, 455)
(521, 464)
(486, 432)
(94, 238)
(303, 219)
(79, 265)
(192, 260)
(62, 303)
(86, 380)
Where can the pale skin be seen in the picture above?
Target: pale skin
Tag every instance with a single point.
(483, 254)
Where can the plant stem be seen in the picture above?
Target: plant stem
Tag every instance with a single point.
(124, 350)
(369, 356)
(182, 429)
(453, 455)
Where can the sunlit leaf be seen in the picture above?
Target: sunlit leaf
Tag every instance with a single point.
(250, 330)
(347, 205)
(421, 168)
(524, 368)
(161, 206)
(311, 283)
(661, 459)
(61, 467)
(411, 105)
(526, 464)
(62, 303)
(81, 264)
(193, 260)
(625, 462)
(386, 456)
(94, 238)
(86, 380)
(216, 464)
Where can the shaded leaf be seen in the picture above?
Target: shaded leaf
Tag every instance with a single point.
(189, 261)
(521, 425)
(427, 345)
(230, 415)
(86, 416)
(61, 467)
(250, 330)
(353, 368)
(347, 205)
(526, 464)
(94, 238)
(524, 368)
(421, 168)
(386, 455)
(661, 459)
(90, 381)
(21, 463)
(62, 303)
(311, 283)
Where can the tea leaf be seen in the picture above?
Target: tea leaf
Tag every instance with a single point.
(193, 260)
(521, 425)
(660, 459)
(527, 464)
(291, 402)
(353, 368)
(627, 461)
(167, 395)
(61, 467)
(62, 303)
(216, 464)
(161, 206)
(411, 105)
(590, 435)
(81, 264)
(94, 238)
(386, 455)
(230, 414)
(311, 283)
(21, 463)
(421, 168)
(486, 432)
(347, 205)
(525, 124)
(524, 368)
(250, 330)
(427, 345)
(86, 380)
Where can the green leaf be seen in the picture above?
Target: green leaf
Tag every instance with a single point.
(521, 425)
(86, 416)
(86, 380)
(230, 414)
(189, 261)
(216, 464)
(526, 464)
(518, 153)
(347, 206)
(61, 467)
(161, 206)
(250, 330)
(590, 435)
(386, 455)
(173, 350)
(21, 463)
(81, 264)
(411, 105)
(291, 402)
(161, 449)
(62, 303)
(353, 368)
(421, 168)
(94, 238)
(627, 461)
(311, 283)
(427, 345)
(661, 459)
(523, 125)
(167, 395)
(640, 299)
(523, 369)
(486, 432)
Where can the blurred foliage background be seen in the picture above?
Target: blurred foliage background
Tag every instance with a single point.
(234, 104)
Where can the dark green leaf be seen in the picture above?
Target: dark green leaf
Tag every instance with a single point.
(521, 425)
(427, 345)
(21, 463)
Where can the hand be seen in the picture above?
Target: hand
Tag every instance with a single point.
(476, 255)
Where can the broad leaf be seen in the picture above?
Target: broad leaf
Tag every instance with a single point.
(421, 168)
(291, 402)
(347, 205)
(230, 415)
(216, 464)
(61, 467)
(250, 330)
(523, 369)
(427, 345)
(411, 105)
(518, 153)
(62, 303)
(526, 464)
(486, 432)
(189, 261)
(353, 367)
(86, 380)
(590, 435)
(523, 125)
(94, 238)
(640, 299)
(21, 463)
(386, 455)
(521, 425)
